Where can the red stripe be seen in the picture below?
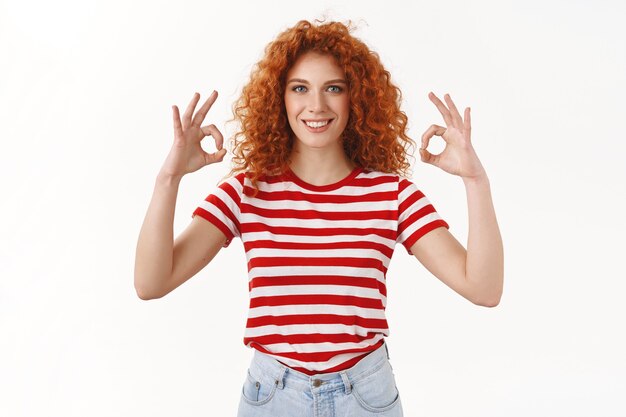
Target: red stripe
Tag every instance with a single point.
(260, 262)
(343, 366)
(320, 198)
(270, 244)
(356, 182)
(415, 217)
(373, 181)
(217, 222)
(346, 365)
(422, 231)
(319, 358)
(403, 184)
(316, 319)
(271, 339)
(326, 355)
(259, 282)
(224, 209)
(325, 231)
(409, 201)
(318, 215)
(300, 299)
(232, 193)
(319, 280)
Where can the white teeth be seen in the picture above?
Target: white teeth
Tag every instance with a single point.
(317, 124)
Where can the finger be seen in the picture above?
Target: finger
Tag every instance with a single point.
(428, 157)
(190, 109)
(199, 117)
(178, 128)
(217, 156)
(467, 124)
(456, 116)
(212, 130)
(430, 132)
(447, 117)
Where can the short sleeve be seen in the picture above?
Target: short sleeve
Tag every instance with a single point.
(416, 215)
(222, 207)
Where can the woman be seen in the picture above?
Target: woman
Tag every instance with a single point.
(318, 197)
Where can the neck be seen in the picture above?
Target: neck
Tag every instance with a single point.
(320, 166)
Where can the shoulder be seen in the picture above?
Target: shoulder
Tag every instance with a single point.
(231, 186)
(236, 180)
(378, 175)
(387, 183)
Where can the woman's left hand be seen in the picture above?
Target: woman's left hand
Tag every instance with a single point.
(458, 157)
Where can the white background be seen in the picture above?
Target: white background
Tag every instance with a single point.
(86, 89)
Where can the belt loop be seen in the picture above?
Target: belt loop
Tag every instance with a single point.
(346, 382)
(280, 380)
(387, 349)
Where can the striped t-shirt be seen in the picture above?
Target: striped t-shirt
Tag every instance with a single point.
(317, 259)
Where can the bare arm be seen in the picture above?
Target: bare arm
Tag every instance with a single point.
(478, 273)
(159, 266)
(154, 254)
(484, 268)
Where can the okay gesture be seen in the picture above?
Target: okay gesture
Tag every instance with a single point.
(458, 157)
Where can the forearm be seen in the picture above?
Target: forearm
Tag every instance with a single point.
(484, 267)
(153, 259)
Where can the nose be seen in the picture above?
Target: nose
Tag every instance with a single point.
(317, 102)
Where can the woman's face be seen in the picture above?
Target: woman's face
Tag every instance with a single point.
(317, 100)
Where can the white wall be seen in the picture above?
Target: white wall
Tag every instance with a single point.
(86, 89)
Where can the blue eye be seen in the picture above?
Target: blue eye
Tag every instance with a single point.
(332, 88)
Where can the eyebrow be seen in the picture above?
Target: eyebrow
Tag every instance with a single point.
(300, 80)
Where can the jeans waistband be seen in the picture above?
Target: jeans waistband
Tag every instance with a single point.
(267, 366)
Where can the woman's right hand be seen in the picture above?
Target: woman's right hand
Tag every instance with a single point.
(187, 155)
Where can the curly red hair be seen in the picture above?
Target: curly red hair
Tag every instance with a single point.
(375, 137)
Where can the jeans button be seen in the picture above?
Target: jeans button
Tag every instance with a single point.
(317, 382)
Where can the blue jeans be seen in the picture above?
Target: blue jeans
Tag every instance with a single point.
(368, 389)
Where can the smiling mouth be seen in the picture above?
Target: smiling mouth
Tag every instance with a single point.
(317, 124)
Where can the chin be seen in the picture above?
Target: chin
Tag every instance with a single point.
(314, 142)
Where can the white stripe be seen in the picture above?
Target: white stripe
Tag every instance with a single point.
(352, 207)
(288, 185)
(254, 236)
(346, 271)
(235, 183)
(417, 205)
(331, 328)
(280, 271)
(406, 193)
(225, 197)
(308, 309)
(376, 174)
(386, 224)
(418, 225)
(319, 253)
(321, 347)
(278, 290)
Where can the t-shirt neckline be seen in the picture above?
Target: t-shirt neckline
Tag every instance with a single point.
(327, 187)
